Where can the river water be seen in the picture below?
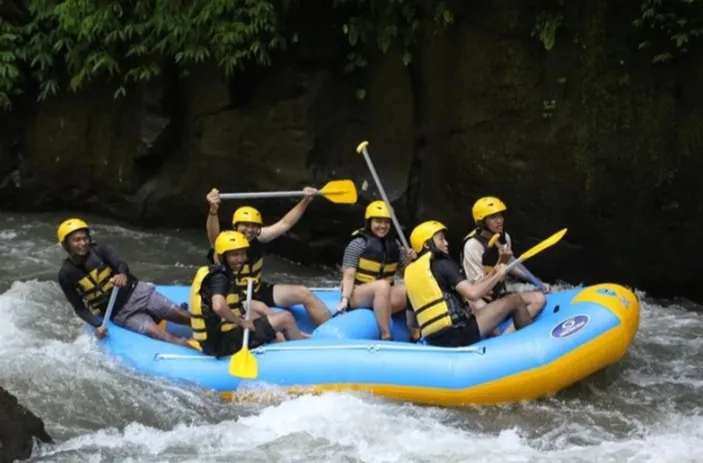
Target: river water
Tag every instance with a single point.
(647, 408)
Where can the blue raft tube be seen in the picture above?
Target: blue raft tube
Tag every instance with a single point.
(579, 332)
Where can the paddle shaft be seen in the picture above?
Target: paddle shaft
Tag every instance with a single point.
(110, 306)
(377, 180)
(264, 194)
(533, 279)
(512, 264)
(250, 290)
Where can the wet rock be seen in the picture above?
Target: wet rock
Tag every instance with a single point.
(19, 427)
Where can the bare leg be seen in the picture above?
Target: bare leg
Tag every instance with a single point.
(535, 301)
(288, 295)
(376, 294)
(285, 323)
(398, 298)
(153, 330)
(478, 305)
(178, 315)
(490, 316)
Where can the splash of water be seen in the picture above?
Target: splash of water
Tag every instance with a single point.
(647, 408)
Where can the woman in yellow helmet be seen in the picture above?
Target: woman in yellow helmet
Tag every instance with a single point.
(248, 221)
(438, 292)
(88, 275)
(478, 258)
(217, 304)
(371, 260)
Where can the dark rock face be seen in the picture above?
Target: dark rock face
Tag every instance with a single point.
(18, 429)
(588, 135)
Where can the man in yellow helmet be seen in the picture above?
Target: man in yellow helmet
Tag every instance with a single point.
(218, 304)
(88, 276)
(478, 258)
(370, 262)
(437, 291)
(248, 221)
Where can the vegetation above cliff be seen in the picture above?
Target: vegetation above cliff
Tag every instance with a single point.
(55, 45)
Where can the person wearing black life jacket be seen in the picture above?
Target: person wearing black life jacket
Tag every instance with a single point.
(247, 220)
(88, 276)
(438, 293)
(478, 259)
(218, 304)
(370, 262)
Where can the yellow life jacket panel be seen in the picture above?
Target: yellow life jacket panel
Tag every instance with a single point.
(253, 266)
(204, 321)
(379, 260)
(92, 281)
(435, 309)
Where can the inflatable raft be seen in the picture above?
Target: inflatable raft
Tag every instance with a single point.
(579, 332)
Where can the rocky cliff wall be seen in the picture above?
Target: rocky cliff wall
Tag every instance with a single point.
(589, 135)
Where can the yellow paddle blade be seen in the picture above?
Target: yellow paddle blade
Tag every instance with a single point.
(551, 241)
(340, 191)
(243, 364)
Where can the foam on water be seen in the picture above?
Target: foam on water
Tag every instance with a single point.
(647, 408)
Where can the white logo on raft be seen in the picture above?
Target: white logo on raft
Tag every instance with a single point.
(570, 326)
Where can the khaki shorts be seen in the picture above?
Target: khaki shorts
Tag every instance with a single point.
(145, 306)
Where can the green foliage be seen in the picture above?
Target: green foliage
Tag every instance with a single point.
(389, 24)
(55, 45)
(669, 27)
(546, 28)
(58, 44)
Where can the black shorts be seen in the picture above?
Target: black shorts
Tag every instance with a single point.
(230, 342)
(457, 336)
(265, 294)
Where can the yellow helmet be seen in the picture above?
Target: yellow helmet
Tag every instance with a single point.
(377, 210)
(247, 214)
(488, 205)
(424, 232)
(230, 240)
(69, 226)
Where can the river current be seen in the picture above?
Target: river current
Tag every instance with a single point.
(648, 408)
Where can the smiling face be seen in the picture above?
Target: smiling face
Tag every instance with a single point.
(78, 243)
(236, 259)
(380, 227)
(249, 229)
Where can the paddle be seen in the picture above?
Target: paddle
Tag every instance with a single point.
(551, 241)
(362, 150)
(110, 306)
(337, 191)
(243, 364)
(533, 279)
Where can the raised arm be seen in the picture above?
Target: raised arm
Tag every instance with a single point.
(287, 222)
